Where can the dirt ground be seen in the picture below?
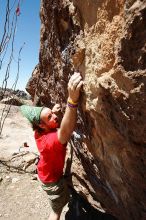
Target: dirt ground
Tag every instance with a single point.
(16, 131)
(21, 197)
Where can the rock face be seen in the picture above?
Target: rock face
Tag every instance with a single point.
(6, 92)
(106, 41)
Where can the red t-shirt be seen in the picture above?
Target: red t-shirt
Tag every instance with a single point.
(52, 157)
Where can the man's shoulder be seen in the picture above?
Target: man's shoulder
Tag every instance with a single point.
(44, 134)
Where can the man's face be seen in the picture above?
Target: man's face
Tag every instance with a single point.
(49, 119)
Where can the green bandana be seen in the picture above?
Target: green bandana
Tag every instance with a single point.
(31, 113)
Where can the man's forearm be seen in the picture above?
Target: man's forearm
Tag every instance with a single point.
(69, 119)
(68, 124)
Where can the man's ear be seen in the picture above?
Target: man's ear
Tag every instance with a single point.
(42, 125)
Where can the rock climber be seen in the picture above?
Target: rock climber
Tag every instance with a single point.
(51, 139)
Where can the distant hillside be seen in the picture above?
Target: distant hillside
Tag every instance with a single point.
(10, 92)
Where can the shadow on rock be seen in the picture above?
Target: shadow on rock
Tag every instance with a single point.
(80, 209)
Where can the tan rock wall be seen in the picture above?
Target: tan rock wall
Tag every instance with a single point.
(106, 41)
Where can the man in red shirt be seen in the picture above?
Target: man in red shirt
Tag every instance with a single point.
(51, 139)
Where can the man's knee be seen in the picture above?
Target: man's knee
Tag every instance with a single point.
(54, 216)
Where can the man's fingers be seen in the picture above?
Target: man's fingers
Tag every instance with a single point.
(75, 82)
(74, 77)
(79, 85)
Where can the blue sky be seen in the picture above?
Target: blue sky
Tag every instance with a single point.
(28, 31)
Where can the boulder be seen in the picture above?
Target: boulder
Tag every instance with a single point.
(105, 41)
(12, 100)
(22, 162)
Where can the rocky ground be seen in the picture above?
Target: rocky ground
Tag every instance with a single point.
(21, 196)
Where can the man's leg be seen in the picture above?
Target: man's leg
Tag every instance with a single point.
(58, 196)
(54, 216)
